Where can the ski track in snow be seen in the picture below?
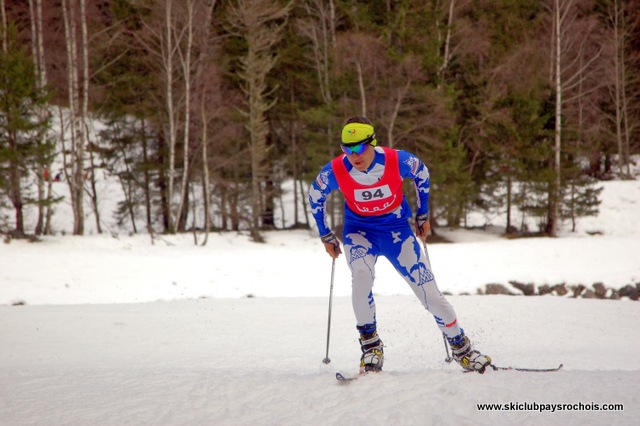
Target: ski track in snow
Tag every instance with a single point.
(117, 331)
(259, 362)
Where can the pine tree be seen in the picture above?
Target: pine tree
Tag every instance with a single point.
(21, 128)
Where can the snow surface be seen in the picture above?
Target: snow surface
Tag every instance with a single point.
(112, 330)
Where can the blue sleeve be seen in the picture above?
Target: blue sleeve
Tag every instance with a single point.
(412, 167)
(320, 189)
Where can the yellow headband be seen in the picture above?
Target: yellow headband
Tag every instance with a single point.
(354, 133)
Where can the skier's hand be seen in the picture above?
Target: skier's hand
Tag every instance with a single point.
(423, 227)
(331, 245)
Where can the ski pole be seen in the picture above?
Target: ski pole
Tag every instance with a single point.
(444, 337)
(446, 348)
(326, 359)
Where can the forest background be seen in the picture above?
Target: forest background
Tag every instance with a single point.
(202, 109)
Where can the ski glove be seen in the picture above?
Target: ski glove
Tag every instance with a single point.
(331, 244)
(422, 226)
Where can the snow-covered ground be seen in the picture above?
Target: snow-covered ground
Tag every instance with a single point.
(103, 330)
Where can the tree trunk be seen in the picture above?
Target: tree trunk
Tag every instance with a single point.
(84, 119)
(446, 56)
(554, 199)
(35, 15)
(619, 87)
(554, 186)
(76, 180)
(206, 184)
(186, 70)
(92, 191)
(165, 204)
(363, 93)
(147, 174)
(172, 132)
(509, 199)
(15, 193)
(3, 17)
(42, 72)
(206, 189)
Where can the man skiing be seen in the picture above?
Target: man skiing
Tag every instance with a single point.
(376, 222)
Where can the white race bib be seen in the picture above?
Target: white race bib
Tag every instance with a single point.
(373, 194)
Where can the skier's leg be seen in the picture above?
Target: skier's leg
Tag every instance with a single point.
(407, 257)
(361, 258)
(415, 267)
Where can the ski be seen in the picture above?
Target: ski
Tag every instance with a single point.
(524, 370)
(528, 370)
(345, 379)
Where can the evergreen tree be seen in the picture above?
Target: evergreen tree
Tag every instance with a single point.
(22, 146)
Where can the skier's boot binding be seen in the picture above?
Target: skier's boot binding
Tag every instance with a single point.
(469, 359)
(372, 353)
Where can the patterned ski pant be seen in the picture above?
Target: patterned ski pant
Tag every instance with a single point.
(401, 247)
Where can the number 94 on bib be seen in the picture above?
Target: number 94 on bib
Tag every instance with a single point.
(373, 194)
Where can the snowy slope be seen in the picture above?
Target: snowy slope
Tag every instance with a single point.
(116, 331)
(257, 361)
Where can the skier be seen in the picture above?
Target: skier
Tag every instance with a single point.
(376, 222)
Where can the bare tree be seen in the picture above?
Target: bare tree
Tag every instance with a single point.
(78, 106)
(169, 37)
(259, 23)
(161, 38)
(168, 52)
(396, 92)
(554, 195)
(360, 52)
(43, 225)
(186, 60)
(447, 52)
(617, 17)
(3, 18)
(204, 52)
(569, 71)
(318, 26)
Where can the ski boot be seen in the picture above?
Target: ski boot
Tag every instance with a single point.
(372, 353)
(469, 359)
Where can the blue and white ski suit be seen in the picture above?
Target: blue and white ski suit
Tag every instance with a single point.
(388, 234)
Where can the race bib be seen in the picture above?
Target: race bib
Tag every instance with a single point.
(372, 194)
